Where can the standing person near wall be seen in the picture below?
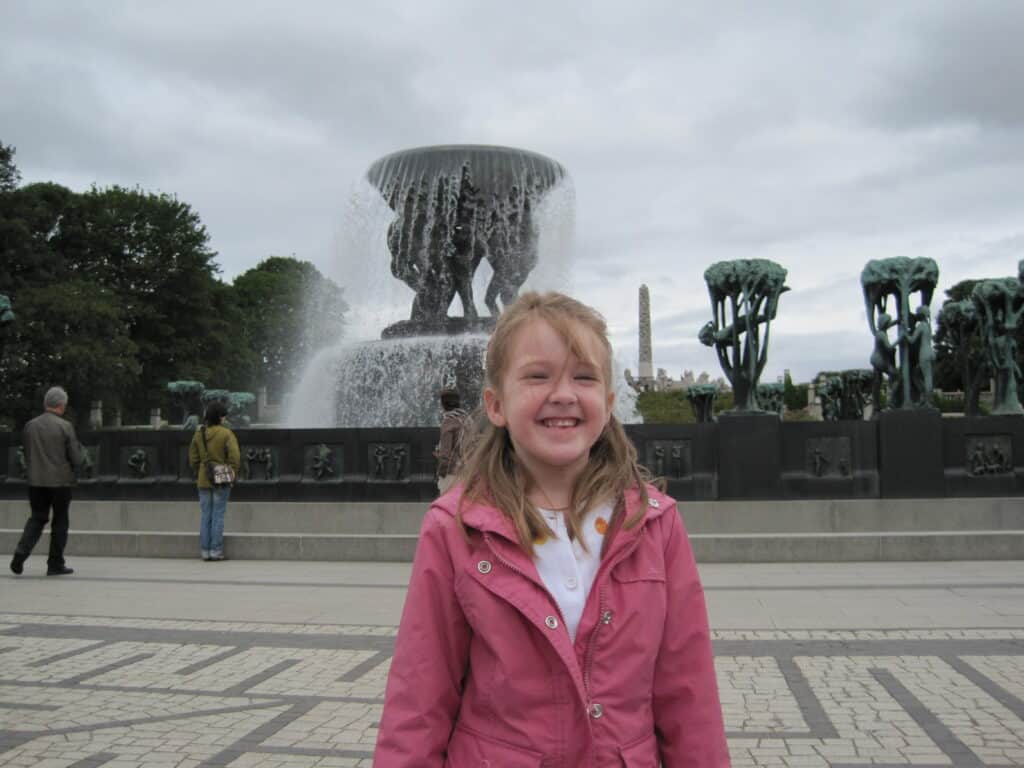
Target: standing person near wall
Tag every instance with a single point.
(214, 450)
(449, 447)
(52, 453)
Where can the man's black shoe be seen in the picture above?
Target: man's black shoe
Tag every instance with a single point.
(62, 571)
(17, 564)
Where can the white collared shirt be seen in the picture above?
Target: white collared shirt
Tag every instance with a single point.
(567, 570)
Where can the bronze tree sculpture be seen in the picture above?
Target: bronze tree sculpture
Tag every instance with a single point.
(745, 299)
(906, 365)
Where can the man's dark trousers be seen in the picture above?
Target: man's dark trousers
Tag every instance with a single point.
(42, 500)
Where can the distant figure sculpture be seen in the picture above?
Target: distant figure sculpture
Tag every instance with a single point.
(856, 393)
(960, 325)
(922, 355)
(898, 278)
(744, 297)
(322, 462)
(770, 397)
(187, 395)
(1000, 307)
(830, 394)
(239, 404)
(138, 462)
(456, 206)
(702, 400)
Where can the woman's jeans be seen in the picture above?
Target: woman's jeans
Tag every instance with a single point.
(213, 502)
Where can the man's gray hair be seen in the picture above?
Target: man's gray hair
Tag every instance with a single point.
(55, 397)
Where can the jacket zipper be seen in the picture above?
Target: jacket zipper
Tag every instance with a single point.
(602, 605)
(516, 570)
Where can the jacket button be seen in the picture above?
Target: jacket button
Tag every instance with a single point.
(653, 503)
(606, 617)
(483, 566)
(552, 622)
(596, 710)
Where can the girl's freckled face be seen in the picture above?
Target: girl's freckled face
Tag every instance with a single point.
(553, 404)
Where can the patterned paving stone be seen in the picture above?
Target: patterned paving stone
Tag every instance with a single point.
(83, 692)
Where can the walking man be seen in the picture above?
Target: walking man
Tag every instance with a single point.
(52, 453)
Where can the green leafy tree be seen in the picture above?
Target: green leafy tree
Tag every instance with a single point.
(794, 395)
(152, 251)
(291, 310)
(70, 333)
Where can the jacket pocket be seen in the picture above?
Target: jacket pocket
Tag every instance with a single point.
(470, 749)
(641, 754)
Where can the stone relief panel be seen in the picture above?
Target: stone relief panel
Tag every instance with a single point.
(828, 457)
(259, 463)
(989, 455)
(388, 462)
(669, 458)
(323, 462)
(137, 462)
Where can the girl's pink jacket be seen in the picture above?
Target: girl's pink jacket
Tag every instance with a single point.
(484, 673)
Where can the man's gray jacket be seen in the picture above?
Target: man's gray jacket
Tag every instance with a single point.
(51, 451)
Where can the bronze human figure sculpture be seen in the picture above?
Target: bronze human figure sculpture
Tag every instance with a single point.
(1000, 307)
(702, 400)
(455, 207)
(960, 324)
(745, 299)
(907, 366)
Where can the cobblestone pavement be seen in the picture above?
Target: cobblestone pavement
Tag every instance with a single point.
(83, 692)
(268, 664)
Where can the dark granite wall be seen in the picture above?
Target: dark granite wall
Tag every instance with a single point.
(917, 455)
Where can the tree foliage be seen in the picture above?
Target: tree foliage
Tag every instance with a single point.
(291, 310)
(116, 293)
(793, 395)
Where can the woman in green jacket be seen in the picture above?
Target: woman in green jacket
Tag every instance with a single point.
(213, 443)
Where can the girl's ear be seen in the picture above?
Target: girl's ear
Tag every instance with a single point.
(492, 405)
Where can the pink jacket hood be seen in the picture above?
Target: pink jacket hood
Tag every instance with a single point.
(485, 674)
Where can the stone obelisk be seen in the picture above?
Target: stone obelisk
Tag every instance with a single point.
(646, 371)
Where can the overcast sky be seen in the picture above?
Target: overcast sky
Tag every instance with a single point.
(816, 134)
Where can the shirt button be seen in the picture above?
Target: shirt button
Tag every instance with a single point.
(596, 710)
(552, 622)
(571, 582)
(483, 566)
(606, 617)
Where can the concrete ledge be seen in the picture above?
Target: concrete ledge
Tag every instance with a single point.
(281, 546)
(403, 518)
(244, 516)
(734, 548)
(859, 547)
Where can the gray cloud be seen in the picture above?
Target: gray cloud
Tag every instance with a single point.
(820, 135)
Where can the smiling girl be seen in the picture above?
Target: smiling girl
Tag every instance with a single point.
(554, 613)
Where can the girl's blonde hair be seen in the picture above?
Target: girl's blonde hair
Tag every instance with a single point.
(489, 469)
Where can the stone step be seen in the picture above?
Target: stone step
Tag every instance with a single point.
(708, 548)
(403, 518)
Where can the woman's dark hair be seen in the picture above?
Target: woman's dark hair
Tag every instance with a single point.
(215, 411)
(450, 399)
